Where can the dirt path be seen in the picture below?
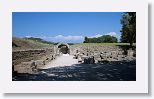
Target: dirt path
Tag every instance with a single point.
(62, 61)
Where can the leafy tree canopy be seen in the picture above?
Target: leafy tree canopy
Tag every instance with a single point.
(128, 31)
(102, 39)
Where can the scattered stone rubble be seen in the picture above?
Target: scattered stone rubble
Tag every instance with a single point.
(103, 54)
(32, 60)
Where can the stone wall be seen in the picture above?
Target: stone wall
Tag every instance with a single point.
(26, 61)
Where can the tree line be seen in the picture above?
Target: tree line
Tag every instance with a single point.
(102, 39)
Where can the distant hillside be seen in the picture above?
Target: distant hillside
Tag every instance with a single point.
(29, 43)
(39, 40)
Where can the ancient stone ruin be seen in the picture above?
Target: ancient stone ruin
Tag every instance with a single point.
(29, 61)
(101, 54)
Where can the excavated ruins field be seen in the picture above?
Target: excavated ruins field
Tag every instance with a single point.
(91, 62)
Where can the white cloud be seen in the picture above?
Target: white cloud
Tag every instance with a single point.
(61, 38)
(111, 33)
(28, 36)
(99, 35)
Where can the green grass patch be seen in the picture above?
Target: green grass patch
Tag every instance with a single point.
(106, 44)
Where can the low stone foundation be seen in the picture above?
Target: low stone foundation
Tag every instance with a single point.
(28, 61)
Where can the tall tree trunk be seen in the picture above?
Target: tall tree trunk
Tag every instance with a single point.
(131, 44)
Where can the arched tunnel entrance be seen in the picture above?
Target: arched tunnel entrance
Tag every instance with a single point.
(63, 48)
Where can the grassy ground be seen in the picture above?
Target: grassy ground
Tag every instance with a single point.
(106, 44)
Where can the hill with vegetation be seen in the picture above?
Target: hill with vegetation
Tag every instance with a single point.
(39, 40)
(29, 43)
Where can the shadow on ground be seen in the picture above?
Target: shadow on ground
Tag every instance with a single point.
(114, 71)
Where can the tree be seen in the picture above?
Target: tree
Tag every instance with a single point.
(109, 39)
(86, 40)
(128, 30)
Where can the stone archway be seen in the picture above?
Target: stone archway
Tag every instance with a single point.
(63, 48)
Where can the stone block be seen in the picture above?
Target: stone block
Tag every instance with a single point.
(25, 67)
(120, 52)
(103, 56)
(39, 63)
(114, 53)
(98, 60)
(25, 70)
(89, 60)
(79, 60)
(130, 53)
(83, 57)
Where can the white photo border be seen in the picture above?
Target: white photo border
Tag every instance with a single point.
(9, 86)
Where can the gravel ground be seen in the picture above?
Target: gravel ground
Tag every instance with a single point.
(62, 61)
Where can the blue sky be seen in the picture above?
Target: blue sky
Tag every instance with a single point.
(70, 27)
